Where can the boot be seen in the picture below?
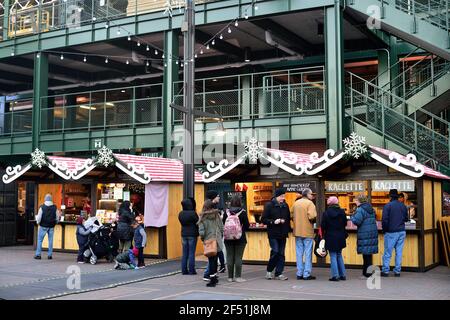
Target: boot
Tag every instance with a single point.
(212, 282)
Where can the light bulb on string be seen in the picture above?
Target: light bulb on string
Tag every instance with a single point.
(106, 25)
(147, 48)
(106, 60)
(38, 55)
(213, 42)
(128, 62)
(195, 56)
(147, 64)
(221, 36)
(129, 37)
(176, 62)
(165, 65)
(236, 23)
(207, 46)
(156, 52)
(163, 56)
(229, 30)
(201, 51)
(246, 15)
(62, 57)
(139, 44)
(118, 32)
(84, 59)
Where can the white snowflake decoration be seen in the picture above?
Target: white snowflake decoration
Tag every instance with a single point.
(105, 156)
(253, 149)
(38, 158)
(172, 4)
(355, 145)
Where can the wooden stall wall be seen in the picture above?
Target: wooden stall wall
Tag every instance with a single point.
(427, 205)
(54, 189)
(152, 247)
(173, 230)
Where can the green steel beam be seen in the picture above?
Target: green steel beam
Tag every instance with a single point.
(171, 45)
(221, 45)
(40, 89)
(207, 13)
(334, 75)
(5, 19)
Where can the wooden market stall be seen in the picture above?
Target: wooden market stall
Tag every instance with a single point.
(96, 188)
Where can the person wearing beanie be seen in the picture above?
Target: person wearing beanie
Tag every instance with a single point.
(47, 218)
(214, 196)
(304, 217)
(277, 217)
(395, 214)
(367, 233)
(333, 226)
(82, 238)
(127, 260)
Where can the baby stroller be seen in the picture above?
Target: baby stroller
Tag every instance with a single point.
(100, 245)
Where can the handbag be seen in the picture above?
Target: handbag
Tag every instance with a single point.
(210, 247)
(319, 247)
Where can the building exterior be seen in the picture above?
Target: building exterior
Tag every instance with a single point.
(77, 75)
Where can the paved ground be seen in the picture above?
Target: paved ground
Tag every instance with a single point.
(22, 277)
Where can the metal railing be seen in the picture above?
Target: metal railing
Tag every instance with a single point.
(36, 16)
(16, 123)
(274, 94)
(127, 107)
(366, 109)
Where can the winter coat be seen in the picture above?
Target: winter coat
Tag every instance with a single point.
(127, 257)
(124, 228)
(274, 210)
(395, 214)
(82, 235)
(367, 237)
(188, 219)
(47, 215)
(140, 237)
(210, 226)
(243, 219)
(333, 225)
(304, 216)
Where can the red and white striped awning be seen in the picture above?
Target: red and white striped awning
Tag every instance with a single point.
(159, 169)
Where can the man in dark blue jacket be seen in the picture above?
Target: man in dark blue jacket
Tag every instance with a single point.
(395, 214)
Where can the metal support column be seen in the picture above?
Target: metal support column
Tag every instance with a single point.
(5, 19)
(171, 44)
(334, 75)
(40, 89)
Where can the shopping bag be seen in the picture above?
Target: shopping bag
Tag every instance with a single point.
(210, 248)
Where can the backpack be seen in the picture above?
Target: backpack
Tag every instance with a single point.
(232, 230)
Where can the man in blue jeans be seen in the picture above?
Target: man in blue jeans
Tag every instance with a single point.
(305, 214)
(46, 219)
(395, 214)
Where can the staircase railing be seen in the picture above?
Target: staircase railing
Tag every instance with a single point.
(364, 107)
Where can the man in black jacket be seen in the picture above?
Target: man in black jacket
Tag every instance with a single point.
(277, 218)
(189, 234)
(47, 218)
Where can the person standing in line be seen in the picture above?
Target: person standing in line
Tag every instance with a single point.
(367, 233)
(235, 248)
(395, 214)
(189, 233)
(214, 196)
(333, 225)
(124, 228)
(305, 214)
(277, 217)
(210, 226)
(47, 217)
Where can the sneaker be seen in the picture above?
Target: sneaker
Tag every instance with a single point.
(222, 269)
(281, 277)
(342, 278)
(205, 278)
(230, 280)
(309, 278)
(397, 275)
(336, 279)
(299, 277)
(240, 280)
(81, 262)
(269, 275)
(37, 257)
(384, 274)
(49, 258)
(116, 266)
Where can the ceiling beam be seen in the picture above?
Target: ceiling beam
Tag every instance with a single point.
(286, 35)
(221, 45)
(140, 50)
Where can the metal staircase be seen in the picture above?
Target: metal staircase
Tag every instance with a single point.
(373, 112)
(424, 23)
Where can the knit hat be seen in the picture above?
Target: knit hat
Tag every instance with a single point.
(135, 251)
(279, 192)
(211, 194)
(48, 197)
(332, 200)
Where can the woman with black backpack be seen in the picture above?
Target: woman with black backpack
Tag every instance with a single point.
(236, 224)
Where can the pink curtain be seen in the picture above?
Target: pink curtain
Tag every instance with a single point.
(156, 213)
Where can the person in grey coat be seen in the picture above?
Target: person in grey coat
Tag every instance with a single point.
(367, 237)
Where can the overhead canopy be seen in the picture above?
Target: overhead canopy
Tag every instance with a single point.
(141, 168)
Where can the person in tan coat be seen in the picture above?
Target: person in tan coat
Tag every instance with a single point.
(304, 215)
